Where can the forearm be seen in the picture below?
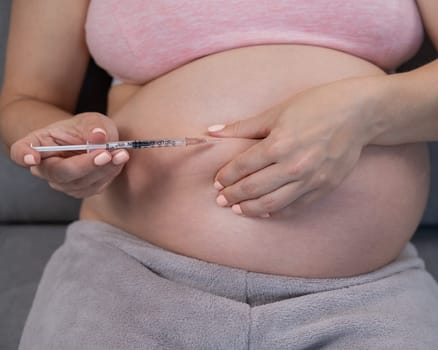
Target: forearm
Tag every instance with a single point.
(404, 107)
(46, 60)
(21, 116)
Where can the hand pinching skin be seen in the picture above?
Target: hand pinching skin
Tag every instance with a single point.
(302, 154)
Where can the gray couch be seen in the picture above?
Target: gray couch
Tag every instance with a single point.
(33, 217)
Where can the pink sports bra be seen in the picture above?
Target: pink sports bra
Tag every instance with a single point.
(138, 40)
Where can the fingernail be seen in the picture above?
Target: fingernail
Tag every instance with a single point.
(102, 159)
(237, 209)
(96, 130)
(29, 159)
(120, 158)
(217, 185)
(221, 200)
(216, 127)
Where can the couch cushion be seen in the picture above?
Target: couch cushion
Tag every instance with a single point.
(5, 8)
(24, 198)
(430, 216)
(24, 251)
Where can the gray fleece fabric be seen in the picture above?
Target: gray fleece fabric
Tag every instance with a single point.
(105, 289)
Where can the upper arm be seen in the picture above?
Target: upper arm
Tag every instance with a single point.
(429, 13)
(46, 55)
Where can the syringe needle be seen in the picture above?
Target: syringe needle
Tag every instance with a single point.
(136, 144)
(197, 140)
(189, 141)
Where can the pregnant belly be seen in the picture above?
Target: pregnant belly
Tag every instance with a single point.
(166, 196)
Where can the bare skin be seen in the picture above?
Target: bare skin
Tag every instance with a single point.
(167, 197)
(371, 185)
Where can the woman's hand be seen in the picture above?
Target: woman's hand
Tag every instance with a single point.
(310, 143)
(77, 174)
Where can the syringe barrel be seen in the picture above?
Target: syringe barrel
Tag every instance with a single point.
(158, 143)
(111, 146)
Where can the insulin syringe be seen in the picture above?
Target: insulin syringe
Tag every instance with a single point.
(136, 144)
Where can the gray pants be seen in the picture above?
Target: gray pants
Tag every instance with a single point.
(105, 289)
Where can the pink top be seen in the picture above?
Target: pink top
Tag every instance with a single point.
(138, 40)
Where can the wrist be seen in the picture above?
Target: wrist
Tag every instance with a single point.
(31, 114)
(376, 94)
(403, 108)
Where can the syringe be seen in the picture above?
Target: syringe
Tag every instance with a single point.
(135, 144)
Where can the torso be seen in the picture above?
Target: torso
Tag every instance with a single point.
(166, 196)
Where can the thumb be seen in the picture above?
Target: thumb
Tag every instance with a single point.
(255, 127)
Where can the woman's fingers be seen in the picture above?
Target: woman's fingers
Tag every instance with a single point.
(248, 162)
(79, 174)
(290, 198)
(65, 170)
(86, 187)
(255, 127)
(255, 185)
(287, 163)
(278, 186)
(271, 202)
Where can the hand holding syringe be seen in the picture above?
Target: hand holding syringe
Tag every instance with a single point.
(60, 154)
(136, 144)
